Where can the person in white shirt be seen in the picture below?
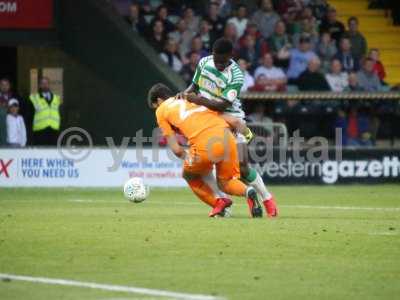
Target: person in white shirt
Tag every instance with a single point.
(275, 76)
(248, 79)
(16, 130)
(337, 80)
(240, 21)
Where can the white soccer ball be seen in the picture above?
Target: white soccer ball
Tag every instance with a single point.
(135, 190)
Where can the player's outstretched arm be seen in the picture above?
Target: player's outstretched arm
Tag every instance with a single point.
(215, 104)
(175, 147)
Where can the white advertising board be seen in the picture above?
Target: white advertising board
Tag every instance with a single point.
(34, 167)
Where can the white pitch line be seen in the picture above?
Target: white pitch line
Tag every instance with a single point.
(343, 207)
(109, 287)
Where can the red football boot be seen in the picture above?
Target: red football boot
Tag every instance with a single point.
(271, 208)
(219, 208)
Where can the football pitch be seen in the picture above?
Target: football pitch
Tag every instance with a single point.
(330, 242)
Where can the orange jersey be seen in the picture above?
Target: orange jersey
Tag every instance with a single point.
(189, 118)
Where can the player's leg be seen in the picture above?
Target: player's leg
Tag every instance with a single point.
(200, 188)
(228, 174)
(254, 179)
(211, 180)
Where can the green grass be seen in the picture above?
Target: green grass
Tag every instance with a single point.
(168, 243)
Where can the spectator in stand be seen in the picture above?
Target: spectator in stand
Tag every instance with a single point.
(353, 85)
(170, 55)
(259, 116)
(287, 7)
(319, 8)
(248, 79)
(230, 34)
(46, 119)
(326, 50)
(355, 128)
(240, 20)
(5, 96)
(207, 37)
(182, 36)
(162, 14)
(349, 62)
(189, 69)
(300, 58)
(332, 25)
(252, 30)
(197, 46)
(250, 52)
(260, 84)
(307, 28)
(216, 22)
(135, 19)
(279, 43)
(16, 130)
(192, 21)
(312, 79)
(157, 38)
(336, 78)
(265, 18)
(357, 39)
(367, 78)
(275, 77)
(379, 69)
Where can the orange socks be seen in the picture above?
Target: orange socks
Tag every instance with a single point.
(203, 191)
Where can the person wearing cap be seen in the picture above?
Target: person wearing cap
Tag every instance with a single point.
(300, 58)
(46, 117)
(16, 130)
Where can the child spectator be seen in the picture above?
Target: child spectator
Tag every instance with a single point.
(379, 69)
(16, 130)
(337, 80)
(326, 50)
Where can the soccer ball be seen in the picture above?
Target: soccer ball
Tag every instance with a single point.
(135, 190)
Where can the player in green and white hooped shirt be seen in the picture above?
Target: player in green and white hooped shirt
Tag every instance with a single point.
(216, 84)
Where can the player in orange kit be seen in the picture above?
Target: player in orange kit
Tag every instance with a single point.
(211, 143)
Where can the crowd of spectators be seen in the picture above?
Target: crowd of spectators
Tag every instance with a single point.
(285, 45)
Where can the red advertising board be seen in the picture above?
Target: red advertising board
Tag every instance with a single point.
(26, 14)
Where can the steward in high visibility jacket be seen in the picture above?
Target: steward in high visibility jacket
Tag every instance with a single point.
(46, 116)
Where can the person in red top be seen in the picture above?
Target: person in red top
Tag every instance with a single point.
(379, 69)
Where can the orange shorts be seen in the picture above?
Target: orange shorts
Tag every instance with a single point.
(214, 147)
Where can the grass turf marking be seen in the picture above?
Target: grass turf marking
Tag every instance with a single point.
(109, 287)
